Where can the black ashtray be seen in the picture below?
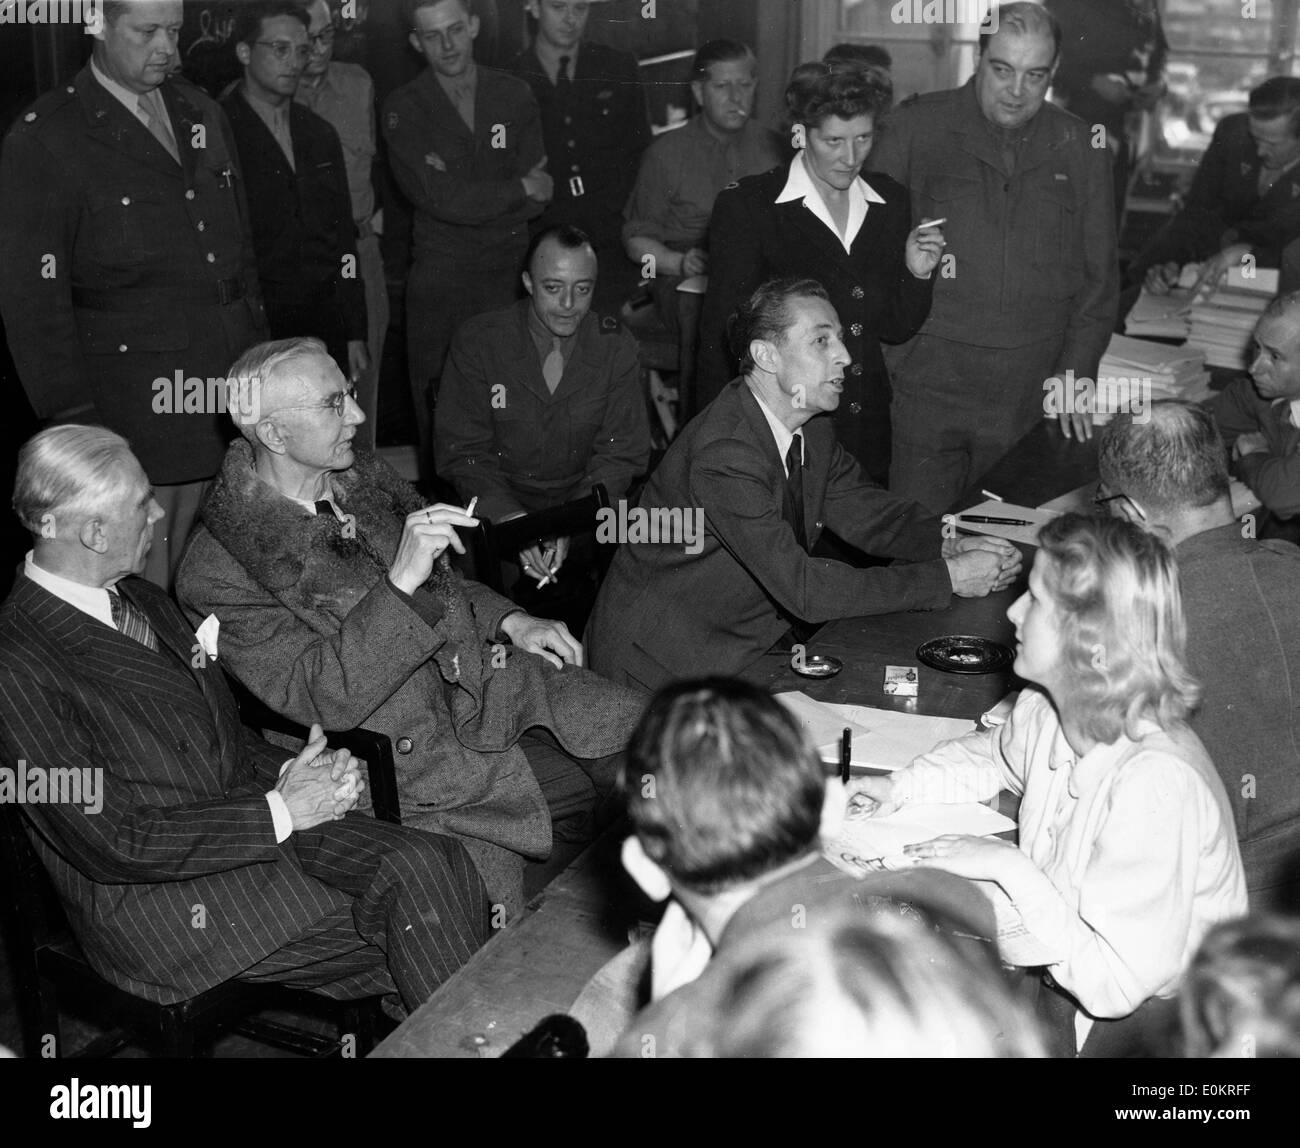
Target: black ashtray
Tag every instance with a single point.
(965, 654)
(815, 665)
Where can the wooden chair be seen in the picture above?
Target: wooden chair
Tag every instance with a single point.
(48, 965)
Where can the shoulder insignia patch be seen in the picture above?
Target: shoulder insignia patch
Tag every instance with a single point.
(392, 121)
(609, 323)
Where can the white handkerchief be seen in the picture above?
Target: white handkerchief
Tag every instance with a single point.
(207, 635)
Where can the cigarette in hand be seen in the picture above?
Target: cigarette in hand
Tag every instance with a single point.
(469, 510)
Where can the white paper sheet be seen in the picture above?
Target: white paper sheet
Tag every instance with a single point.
(868, 843)
(1025, 535)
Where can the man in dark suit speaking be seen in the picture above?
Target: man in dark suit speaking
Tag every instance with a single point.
(768, 476)
(205, 855)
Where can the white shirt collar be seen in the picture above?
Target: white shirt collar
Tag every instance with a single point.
(92, 600)
(1295, 412)
(127, 98)
(799, 185)
(783, 434)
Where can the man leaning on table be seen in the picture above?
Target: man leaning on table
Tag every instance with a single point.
(1168, 474)
(1258, 417)
(752, 481)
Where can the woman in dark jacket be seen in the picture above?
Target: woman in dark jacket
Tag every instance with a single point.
(821, 219)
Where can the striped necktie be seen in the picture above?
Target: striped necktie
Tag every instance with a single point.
(131, 622)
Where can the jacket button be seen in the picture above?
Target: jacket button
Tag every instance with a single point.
(856, 369)
(201, 225)
(189, 193)
(857, 292)
(121, 347)
(126, 201)
(182, 746)
(855, 408)
(404, 745)
(211, 258)
(855, 328)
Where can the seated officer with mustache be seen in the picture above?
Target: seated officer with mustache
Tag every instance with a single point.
(769, 476)
(326, 574)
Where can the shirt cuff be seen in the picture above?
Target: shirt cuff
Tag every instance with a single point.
(281, 818)
(501, 624)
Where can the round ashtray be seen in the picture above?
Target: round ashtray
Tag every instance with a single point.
(965, 654)
(816, 666)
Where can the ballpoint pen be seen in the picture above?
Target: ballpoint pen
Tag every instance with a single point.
(846, 753)
(995, 521)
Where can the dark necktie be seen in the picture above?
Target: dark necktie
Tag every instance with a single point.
(794, 485)
(325, 509)
(562, 84)
(130, 622)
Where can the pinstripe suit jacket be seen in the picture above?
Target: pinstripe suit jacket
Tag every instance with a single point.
(177, 883)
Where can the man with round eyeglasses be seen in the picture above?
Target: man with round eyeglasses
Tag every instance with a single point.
(297, 187)
(330, 581)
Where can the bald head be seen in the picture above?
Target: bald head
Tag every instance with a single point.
(1173, 465)
(1275, 368)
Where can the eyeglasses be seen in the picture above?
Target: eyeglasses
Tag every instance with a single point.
(322, 39)
(1102, 501)
(283, 49)
(337, 402)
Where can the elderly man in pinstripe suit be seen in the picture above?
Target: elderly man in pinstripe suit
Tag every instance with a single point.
(211, 857)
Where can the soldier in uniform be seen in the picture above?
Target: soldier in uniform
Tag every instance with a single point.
(465, 147)
(128, 263)
(542, 399)
(596, 125)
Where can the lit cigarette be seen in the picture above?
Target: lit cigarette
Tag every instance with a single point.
(931, 223)
(469, 510)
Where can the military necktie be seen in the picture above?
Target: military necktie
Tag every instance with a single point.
(794, 484)
(553, 366)
(562, 83)
(130, 622)
(154, 113)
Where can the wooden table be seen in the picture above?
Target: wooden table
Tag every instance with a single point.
(540, 964)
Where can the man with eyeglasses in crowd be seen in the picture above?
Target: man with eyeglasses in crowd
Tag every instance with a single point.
(1168, 473)
(297, 187)
(335, 603)
(127, 256)
(343, 95)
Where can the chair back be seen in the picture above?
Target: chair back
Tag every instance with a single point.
(501, 542)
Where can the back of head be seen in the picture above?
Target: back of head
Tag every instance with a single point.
(722, 787)
(842, 88)
(766, 315)
(858, 984)
(65, 473)
(1241, 996)
(1170, 463)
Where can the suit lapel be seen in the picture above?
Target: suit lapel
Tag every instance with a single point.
(762, 435)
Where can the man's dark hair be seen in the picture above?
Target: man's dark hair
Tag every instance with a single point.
(250, 17)
(766, 315)
(411, 7)
(565, 234)
(718, 52)
(871, 55)
(1172, 461)
(1278, 96)
(721, 785)
(841, 88)
(1027, 20)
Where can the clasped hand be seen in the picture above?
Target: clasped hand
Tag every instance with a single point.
(320, 784)
(981, 565)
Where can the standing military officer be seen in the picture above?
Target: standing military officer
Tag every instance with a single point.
(466, 149)
(595, 124)
(128, 264)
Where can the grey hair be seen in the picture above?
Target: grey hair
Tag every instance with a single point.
(1174, 461)
(253, 372)
(68, 470)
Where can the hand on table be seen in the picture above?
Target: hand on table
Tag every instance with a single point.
(977, 858)
(545, 638)
(1077, 425)
(1162, 278)
(923, 251)
(320, 785)
(1216, 267)
(1008, 556)
(425, 535)
(871, 797)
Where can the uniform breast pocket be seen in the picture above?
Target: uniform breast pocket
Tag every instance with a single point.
(126, 225)
(1056, 251)
(949, 196)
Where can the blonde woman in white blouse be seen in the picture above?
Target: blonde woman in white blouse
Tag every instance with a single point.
(1127, 853)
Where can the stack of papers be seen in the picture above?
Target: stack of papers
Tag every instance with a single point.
(882, 739)
(1160, 316)
(1135, 373)
(1223, 325)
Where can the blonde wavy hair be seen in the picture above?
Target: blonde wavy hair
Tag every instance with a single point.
(1114, 587)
